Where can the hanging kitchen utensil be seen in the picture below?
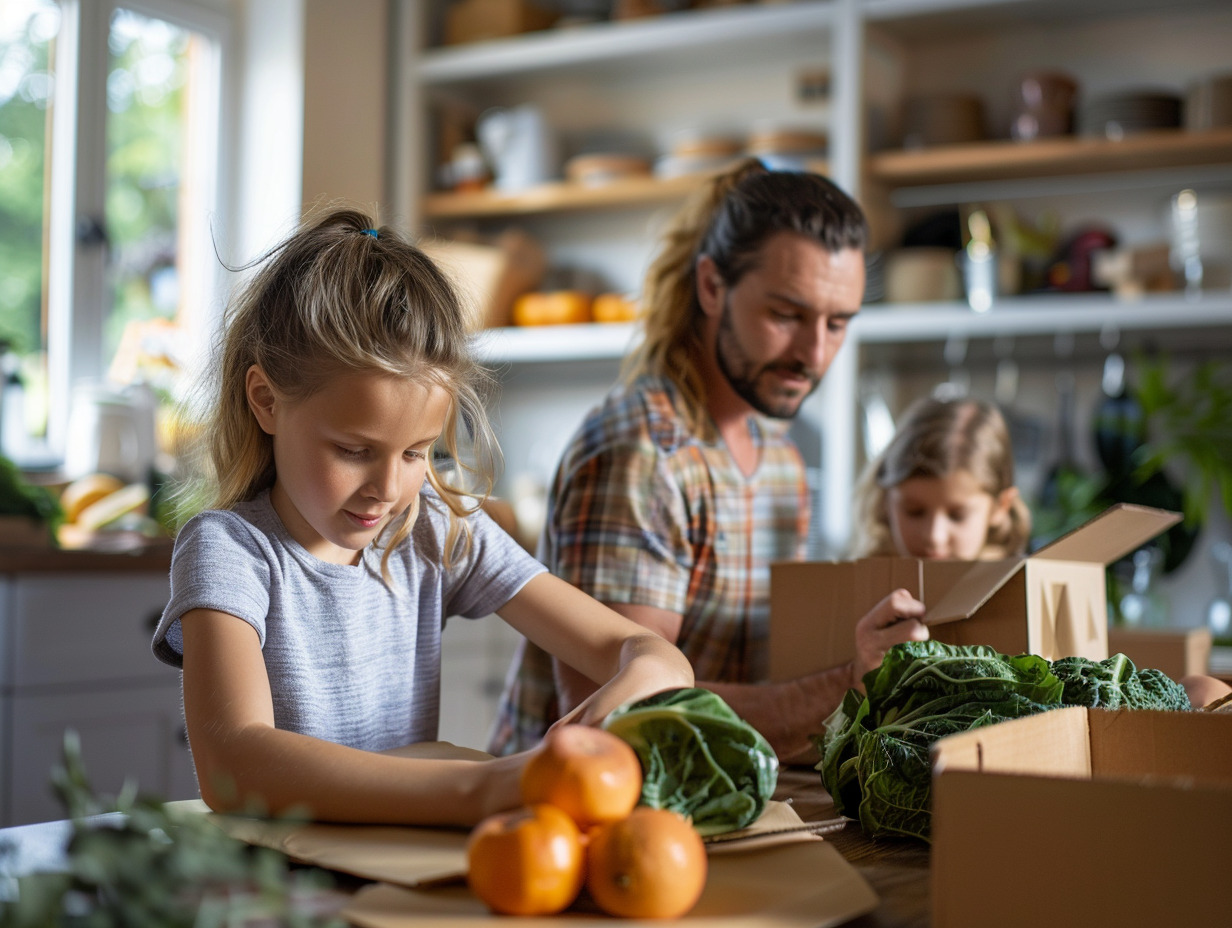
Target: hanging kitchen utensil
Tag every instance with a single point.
(1026, 431)
(878, 422)
(959, 382)
(1064, 462)
(1119, 423)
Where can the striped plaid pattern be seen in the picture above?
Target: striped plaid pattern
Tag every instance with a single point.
(642, 512)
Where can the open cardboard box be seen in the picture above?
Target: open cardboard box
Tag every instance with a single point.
(1084, 817)
(1051, 603)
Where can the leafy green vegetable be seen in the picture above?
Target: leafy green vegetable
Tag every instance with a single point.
(875, 752)
(157, 867)
(1116, 684)
(698, 758)
(20, 498)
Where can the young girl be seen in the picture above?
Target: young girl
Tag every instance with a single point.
(307, 603)
(944, 488)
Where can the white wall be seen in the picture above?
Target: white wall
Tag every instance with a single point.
(269, 101)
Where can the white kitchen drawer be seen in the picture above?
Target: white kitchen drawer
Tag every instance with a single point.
(134, 732)
(80, 628)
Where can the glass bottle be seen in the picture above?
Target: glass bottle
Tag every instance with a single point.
(1142, 606)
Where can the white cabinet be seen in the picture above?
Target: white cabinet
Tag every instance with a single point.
(475, 656)
(75, 653)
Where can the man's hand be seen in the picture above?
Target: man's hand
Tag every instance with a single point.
(892, 621)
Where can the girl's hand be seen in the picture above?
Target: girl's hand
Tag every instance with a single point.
(892, 621)
(649, 665)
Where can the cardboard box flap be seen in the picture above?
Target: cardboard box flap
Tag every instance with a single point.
(1111, 535)
(1055, 743)
(974, 589)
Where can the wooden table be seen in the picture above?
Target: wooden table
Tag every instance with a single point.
(897, 869)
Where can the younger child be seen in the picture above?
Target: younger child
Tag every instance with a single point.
(944, 488)
(307, 603)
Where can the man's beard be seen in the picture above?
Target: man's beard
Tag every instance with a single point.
(744, 375)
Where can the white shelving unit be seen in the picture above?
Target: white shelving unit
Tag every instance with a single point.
(692, 67)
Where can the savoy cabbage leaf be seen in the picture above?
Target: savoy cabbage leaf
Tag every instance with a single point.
(698, 758)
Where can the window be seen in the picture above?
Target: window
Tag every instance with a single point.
(109, 117)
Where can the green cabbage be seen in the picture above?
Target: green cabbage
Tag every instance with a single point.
(698, 758)
(875, 752)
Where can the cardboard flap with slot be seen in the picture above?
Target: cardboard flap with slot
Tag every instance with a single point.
(1051, 603)
(1111, 535)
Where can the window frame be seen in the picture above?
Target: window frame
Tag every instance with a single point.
(77, 282)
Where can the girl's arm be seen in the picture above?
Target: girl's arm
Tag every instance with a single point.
(628, 660)
(789, 712)
(240, 756)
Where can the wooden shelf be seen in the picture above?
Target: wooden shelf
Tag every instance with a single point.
(656, 38)
(914, 19)
(1008, 160)
(561, 197)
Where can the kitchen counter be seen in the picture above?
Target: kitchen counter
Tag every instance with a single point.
(153, 556)
(897, 870)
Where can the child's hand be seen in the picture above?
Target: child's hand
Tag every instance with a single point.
(892, 621)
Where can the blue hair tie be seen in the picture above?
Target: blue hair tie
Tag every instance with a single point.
(371, 232)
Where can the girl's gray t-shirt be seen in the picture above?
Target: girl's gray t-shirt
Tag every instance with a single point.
(350, 659)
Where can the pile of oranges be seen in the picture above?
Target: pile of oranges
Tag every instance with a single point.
(580, 826)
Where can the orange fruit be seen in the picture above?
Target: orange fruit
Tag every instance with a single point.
(651, 864)
(590, 773)
(526, 862)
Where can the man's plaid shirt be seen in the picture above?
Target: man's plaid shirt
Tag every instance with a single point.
(641, 511)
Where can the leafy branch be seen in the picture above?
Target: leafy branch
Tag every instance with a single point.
(154, 866)
(1189, 422)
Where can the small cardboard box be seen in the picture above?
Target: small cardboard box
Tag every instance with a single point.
(1083, 817)
(1051, 603)
(490, 277)
(1178, 652)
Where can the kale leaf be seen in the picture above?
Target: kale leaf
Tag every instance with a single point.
(875, 751)
(1116, 684)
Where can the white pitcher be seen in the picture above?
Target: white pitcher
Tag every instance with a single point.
(111, 431)
(519, 146)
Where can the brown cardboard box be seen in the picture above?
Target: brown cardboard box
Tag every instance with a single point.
(1083, 817)
(477, 20)
(1178, 652)
(490, 278)
(1051, 603)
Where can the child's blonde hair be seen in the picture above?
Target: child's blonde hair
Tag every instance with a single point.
(342, 296)
(937, 438)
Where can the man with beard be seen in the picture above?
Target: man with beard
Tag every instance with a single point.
(681, 488)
